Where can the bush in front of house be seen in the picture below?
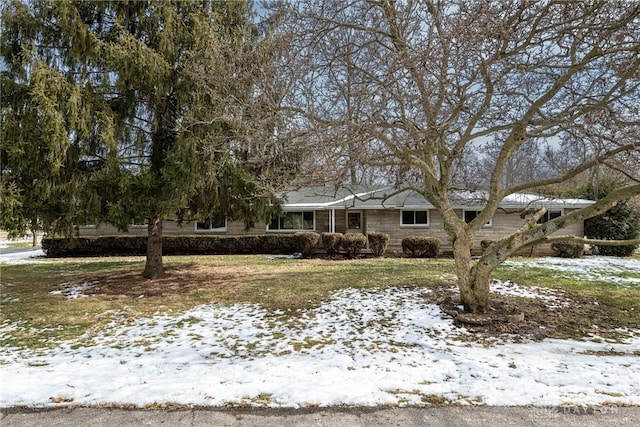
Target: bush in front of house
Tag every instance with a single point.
(421, 247)
(331, 242)
(484, 244)
(621, 222)
(226, 245)
(171, 245)
(306, 242)
(568, 249)
(57, 247)
(378, 243)
(353, 244)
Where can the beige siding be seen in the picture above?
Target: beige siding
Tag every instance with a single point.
(381, 220)
(171, 228)
(388, 221)
(110, 230)
(322, 221)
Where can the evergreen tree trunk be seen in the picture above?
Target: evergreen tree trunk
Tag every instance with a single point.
(154, 267)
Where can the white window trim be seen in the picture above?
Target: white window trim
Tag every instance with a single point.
(92, 225)
(561, 210)
(427, 225)
(145, 225)
(294, 230)
(487, 225)
(210, 230)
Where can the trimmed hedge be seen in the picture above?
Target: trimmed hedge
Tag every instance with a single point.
(568, 249)
(94, 246)
(353, 244)
(421, 247)
(306, 242)
(171, 245)
(331, 242)
(378, 243)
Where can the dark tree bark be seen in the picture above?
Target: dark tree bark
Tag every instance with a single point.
(154, 267)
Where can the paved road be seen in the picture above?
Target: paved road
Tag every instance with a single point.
(330, 417)
(12, 251)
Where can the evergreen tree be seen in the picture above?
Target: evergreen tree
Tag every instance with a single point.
(621, 222)
(119, 110)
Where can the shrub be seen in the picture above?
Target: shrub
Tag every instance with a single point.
(331, 242)
(568, 249)
(621, 222)
(306, 242)
(171, 245)
(378, 243)
(484, 244)
(421, 247)
(353, 244)
(94, 246)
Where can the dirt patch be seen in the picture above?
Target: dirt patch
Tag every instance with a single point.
(530, 318)
(178, 280)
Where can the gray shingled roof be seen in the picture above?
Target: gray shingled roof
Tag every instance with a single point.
(361, 197)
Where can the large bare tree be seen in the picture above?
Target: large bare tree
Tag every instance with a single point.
(416, 87)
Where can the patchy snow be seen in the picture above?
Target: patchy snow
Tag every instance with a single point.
(364, 347)
(73, 291)
(554, 297)
(589, 268)
(22, 257)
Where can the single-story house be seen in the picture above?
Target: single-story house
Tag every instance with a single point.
(366, 210)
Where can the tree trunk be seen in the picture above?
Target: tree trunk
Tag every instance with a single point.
(473, 281)
(154, 267)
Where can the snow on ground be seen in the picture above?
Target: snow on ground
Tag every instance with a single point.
(363, 347)
(72, 291)
(589, 268)
(554, 298)
(23, 257)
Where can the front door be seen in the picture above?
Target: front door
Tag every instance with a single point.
(354, 222)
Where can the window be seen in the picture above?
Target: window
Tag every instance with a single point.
(417, 218)
(548, 216)
(354, 220)
(294, 221)
(88, 221)
(471, 215)
(140, 222)
(213, 224)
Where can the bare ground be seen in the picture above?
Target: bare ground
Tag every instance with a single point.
(178, 280)
(533, 319)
